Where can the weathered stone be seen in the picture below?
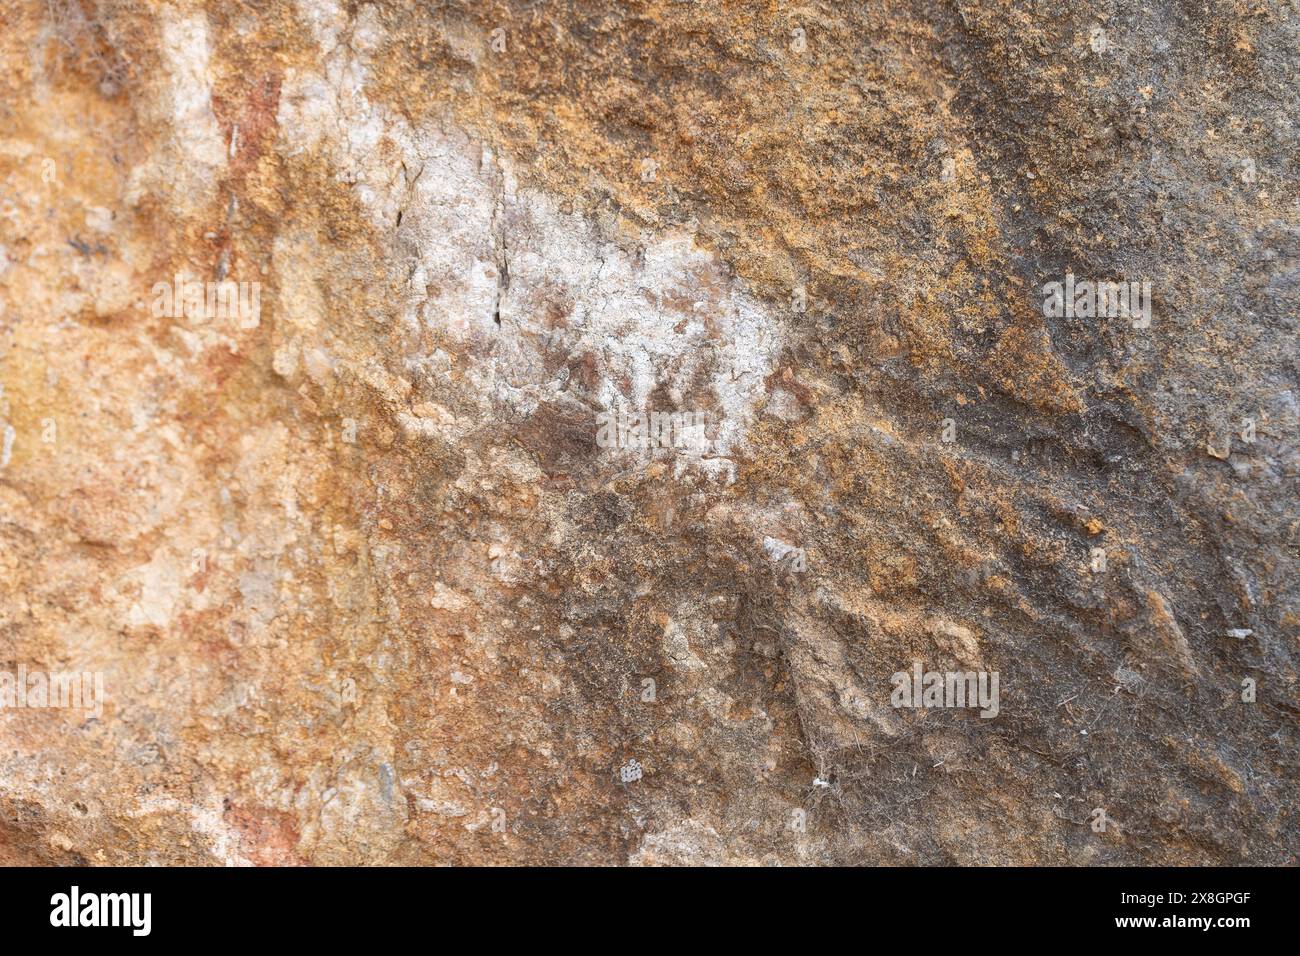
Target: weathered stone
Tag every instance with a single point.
(363, 585)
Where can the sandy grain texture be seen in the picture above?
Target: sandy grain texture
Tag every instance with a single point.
(361, 583)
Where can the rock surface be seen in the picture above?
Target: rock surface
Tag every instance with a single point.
(363, 582)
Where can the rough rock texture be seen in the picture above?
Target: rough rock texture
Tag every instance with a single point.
(363, 586)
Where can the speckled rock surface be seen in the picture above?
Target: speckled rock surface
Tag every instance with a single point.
(367, 580)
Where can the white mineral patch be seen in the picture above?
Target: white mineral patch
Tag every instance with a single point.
(657, 317)
(776, 548)
(186, 50)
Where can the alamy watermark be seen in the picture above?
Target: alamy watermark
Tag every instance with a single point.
(922, 688)
(39, 690)
(638, 430)
(74, 908)
(211, 300)
(1086, 299)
